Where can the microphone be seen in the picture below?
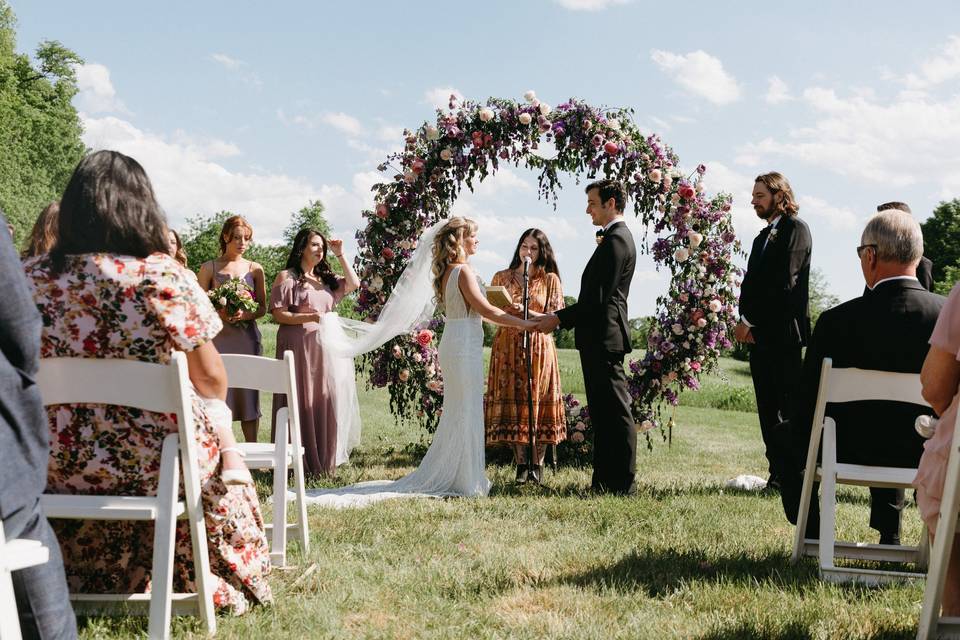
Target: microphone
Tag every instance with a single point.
(526, 263)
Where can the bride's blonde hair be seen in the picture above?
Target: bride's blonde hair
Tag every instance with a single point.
(448, 248)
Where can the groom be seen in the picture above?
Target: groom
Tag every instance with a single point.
(603, 339)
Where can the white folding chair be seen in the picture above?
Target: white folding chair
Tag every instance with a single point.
(932, 625)
(151, 387)
(276, 376)
(850, 385)
(15, 555)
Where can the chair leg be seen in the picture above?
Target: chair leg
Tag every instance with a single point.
(201, 561)
(828, 496)
(278, 541)
(299, 486)
(161, 595)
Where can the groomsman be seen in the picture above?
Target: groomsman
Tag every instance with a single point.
(774, 316)
(925, 268)
(599, 321)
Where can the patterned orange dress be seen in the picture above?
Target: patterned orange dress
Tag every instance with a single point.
(505, 404)
(111, 306)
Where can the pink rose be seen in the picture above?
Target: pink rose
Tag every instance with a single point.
(612, 148)
(388, 253)
(577, 437)
(655, 175)
(396, 351)
(695, 366)
(696, 315)
(382, 211)
(424, 337)
(404, 375)
(417, 166)
(715, 305)
(701, 322)
(686, 192)
(580, 426)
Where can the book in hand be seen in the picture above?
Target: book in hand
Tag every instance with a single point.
(499, 297)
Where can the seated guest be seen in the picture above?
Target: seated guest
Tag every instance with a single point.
(44, 233)
(108, 289)
(925, 268)
(886, 329)
(43, 603)
(940, 378)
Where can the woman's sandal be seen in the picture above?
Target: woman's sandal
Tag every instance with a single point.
(236, 476)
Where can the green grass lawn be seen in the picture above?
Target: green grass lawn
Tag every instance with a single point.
(685, 558)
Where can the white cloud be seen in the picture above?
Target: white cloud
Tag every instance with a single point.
(439, 97)
(96, 92)
(837, 218)
(589, 5)
(239, 68)
(938, 69)
(188, 180)
(777, 91)
(230, 63)
(909, 139)
(343, 122)
(699, 73)
(721, 178)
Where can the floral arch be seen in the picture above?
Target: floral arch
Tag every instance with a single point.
(694, 238)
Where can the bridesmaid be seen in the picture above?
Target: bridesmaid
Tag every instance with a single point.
(240, 333)
(301, 294)
(506, 406)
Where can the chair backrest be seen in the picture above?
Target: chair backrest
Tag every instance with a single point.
(853, 385)
(258, 372)
(150, 386)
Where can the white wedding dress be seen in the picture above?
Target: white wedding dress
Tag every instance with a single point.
(454, 464)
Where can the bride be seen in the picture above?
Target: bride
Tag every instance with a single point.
(439, 270)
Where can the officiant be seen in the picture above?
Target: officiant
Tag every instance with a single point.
(506, 407)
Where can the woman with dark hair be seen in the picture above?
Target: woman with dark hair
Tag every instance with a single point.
(240, 333)
(44, 233)
(301, 294)
(175, 248)
(506, 413)
(108, 289)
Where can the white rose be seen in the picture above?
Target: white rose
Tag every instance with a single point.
(645, 426)
(681, 254)
(432, 133)
(715, 305)
(712, 317)
(655, 175)
(544, 108)
(675, 172)
(486, 114)
(417, 357)
(694, 239)
(431, 370)
(530, 96)
(525, 118)
(446, 154)
(675, 199)
(701, 322)
(614, 124)
(677, 329)
(223, 302)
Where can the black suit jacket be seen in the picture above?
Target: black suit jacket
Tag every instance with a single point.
(24, 450)
(774, 295)
(886, 329)
(599, 317)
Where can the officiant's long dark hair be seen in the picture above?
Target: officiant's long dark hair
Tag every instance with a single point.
(322, 269)
(545, 257)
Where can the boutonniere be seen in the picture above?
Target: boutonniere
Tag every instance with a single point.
(772, 237)
(599, 236)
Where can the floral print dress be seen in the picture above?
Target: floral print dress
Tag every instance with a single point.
(111, 306)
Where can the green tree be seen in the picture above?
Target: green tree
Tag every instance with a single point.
(820, 297)
(39, 128)
(563, 338)
(309, 217)
(941, 242)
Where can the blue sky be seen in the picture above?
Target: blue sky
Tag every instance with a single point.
(259, 107)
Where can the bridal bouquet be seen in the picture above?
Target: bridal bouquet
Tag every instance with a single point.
(233, 296)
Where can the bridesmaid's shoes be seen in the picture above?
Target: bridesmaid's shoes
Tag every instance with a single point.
(239, 476)
(522, 472)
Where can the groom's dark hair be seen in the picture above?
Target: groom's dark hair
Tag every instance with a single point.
(609, 189)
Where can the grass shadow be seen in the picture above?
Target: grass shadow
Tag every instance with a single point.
(793, 630)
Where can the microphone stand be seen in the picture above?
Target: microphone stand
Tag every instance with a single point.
(528, 353)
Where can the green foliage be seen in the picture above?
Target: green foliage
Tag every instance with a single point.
(563, 338)
(39, 128)
(309, 217)
(941, 240)
(640, 330)
(951, 275)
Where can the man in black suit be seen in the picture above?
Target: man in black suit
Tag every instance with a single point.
(774, 317)
(925, 268)
(42, 600)
(599, 320)
(887, 329)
